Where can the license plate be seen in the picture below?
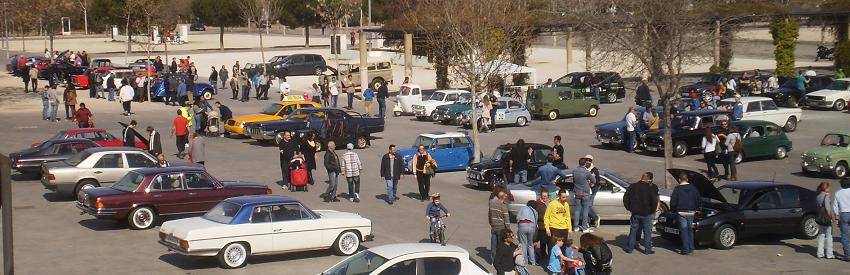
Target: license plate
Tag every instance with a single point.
(605, 140)
(652, 149)
(671, 230)
(172, 239)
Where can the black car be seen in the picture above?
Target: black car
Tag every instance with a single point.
(30, 160)
(745, 209)
(788, 95)
(297, 64)
(613, 134)
(705, 86)
(612, 84)
(61, 69)
(197, 26)
(329, 124)
(688, 130)
(489, 172)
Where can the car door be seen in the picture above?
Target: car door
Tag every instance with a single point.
(295, 228)
(514, 111)
(773, 139)
(579, 105)
(770, 112)
(608, 202)
(765, 213)
(168, 193)
(298, 66)
(441, 150)
(502, 112)
(754, 141)
(202, 192)
(140, 160)
(258, 232)
(109, 168)
(753, 111)
(462, 151)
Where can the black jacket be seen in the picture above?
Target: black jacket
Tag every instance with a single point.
(213, 76)
(598, 259)
(225, 113)
(173, 67)
(396, 169)
(129, 137)
(504, 259)
(685, 198)
(287, 151)
(332, 162)
(643, 92)
(641, 199)
(155, 145)
(110, 82)
(382, 92)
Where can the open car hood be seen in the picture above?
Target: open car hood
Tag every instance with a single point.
(705, 187)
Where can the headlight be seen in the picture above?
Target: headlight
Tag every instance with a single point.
(617, 131)
(828, 159)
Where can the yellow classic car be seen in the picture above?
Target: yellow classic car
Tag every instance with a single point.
(275, 111)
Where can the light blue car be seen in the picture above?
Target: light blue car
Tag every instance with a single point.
(509, 111)
(453, 151)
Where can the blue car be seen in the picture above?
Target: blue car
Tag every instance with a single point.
(453, 151)
(160, 88)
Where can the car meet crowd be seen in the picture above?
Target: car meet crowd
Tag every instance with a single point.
(729, 118)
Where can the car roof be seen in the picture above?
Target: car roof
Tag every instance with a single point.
(704, 112)
(755, 184)
(452, 91)
(748, 99)
(535, 146)
(70, 140)
(259, 199)
(391, 251)
(83, 130)
(444, 134)
(170, 169)
(507, 98)
(113, 149)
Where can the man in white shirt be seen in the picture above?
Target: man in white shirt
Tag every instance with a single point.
(140, 87)
(631, 122)
(811, 72)
(334, 90)
(126, 94)
(841, 213)
(284, 88)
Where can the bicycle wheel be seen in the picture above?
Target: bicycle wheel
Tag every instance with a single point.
(442, 236)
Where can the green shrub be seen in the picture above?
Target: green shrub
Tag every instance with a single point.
(842, 56)
(785, 32)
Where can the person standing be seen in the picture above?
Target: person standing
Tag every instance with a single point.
(738, 109)
(643, 94)
(129, 134)
(351, 166)
(526, 229)
(499, 218)
(223, 75)
(158, 66)
(286, 148)
(333, 89)
(197, 149)
(841, 211)
(263, 93)
(309, 149)
(487, 105)
(180, 130)
(109, 82)
(631, 122)
(53, 100)
(138, 84)
(503, 260)
(731, 154)
(391, 168)
(126, 95)
(594, 188)
(540, 237)
(423, 171)
(709, 153)
(94, 84)
(547, 174)
(557, 219)
(582, 179)
(154, 141)
(824, 238)
(559, 153)
(33, 73)
(348, 84)
(383, 94)
(25, 77)
(641, 200)
(245, 85)
(83, 116)
(368, 100)
(284, 88)
(333, 168)
(45, 103)
(70, 98)
(520, 157)
(685, 201)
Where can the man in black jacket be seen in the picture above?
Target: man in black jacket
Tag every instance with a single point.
(129, 134)
(641, 199)
(225, 112)
(685, 201)
(333, 168)
(287, 148)
(391, 169)
(154, 142)
(383, 94)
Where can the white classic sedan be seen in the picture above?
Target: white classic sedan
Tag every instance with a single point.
(763, 108)
(248, 225)
(409, 258)
(834, 96)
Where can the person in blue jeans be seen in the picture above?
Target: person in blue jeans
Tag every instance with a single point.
(391, 169)
(685, 201)
(45, 104)
(433, 212)
(332, 165)
(641, 200)
(841, 208)
(582, 180)
(526, 228)
(520, 157)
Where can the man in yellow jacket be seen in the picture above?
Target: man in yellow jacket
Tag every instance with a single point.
(557, 218)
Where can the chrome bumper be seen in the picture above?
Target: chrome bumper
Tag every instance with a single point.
(97, 212)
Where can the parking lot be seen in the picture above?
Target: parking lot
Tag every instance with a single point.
(51, 236)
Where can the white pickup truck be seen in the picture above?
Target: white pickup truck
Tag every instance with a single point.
(763, 108)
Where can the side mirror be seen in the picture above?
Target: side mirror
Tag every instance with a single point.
(617, 190)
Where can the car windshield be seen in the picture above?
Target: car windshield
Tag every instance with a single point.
(840, 85)
(683, 122)
(272, 109)
(835, 140)
(223, 212)
(424, 141)
(405, 90)
(732, 195)
(76, 159)
(437, 96)
(363, 262)
(129, 182)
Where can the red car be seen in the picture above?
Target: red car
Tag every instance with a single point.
(143, 195)
(99, 136)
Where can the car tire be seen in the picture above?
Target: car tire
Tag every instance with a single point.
(791, 124)
(361, 142)
(435, 116)
(346, 243)
(612, 97)
(141, 218)
(660, 210)
(680, 149)
(553, 115)
(233, 255)
(207, 94)
(318, 71)
(808, 227)
(397, 113)
(792, 102)
(593, 111)
(840, 170)
(839, 105)
(521, 121)
(781, 152)
(85, 184)
(725, 237)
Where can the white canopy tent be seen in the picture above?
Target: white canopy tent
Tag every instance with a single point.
(506, 68)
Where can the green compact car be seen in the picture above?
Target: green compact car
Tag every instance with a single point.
(555, 102)
(832, 156)
(451, 113)
(762, 139)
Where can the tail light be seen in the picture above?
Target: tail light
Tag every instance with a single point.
(510, 197)
(268, 191)
(162, 235)
(184, 244)
(52, 177)
(17, 163)
(98, 204)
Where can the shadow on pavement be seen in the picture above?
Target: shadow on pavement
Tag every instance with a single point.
(103, 225)
(483, 253)
(197, 263)
(56, 197)
(26, 177)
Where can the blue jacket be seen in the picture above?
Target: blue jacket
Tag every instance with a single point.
(582, 178)
(181, 89)
(527, 213)
(547, 173)
(738, 111)
(685, 198)
(433, 210)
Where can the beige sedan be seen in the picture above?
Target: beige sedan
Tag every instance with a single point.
(93, 167)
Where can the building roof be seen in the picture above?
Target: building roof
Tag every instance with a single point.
(391, 251)
(444, 134)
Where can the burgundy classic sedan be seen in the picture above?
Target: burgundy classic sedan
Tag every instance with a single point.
(143, 195)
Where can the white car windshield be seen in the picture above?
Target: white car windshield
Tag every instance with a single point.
(223, 212)
(437, 96)
(423, 141)
(363, 262)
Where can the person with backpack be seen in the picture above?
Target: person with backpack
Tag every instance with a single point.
(597, 256)
(824, 220)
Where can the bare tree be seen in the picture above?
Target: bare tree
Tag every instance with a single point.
(85, 7)
(478, 37)
(260, 11)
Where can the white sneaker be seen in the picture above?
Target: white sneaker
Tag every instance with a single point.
(588, 230)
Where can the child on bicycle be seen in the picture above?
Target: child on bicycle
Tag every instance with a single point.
(433, 210)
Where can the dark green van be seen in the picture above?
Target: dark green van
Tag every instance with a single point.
(556, 102)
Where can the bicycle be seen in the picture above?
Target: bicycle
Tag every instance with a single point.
(438, 235)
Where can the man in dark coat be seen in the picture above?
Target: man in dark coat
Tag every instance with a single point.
(287, 148)
(154, 141)
(383, 94)
(391, 171)
(129, 134)
(641, 200)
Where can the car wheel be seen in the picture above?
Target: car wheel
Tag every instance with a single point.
(347, 243)
(498, 180)
(612, 97)
(397, 113)
(593, 111)
(781, 152)
(793, 102)
(739, 158)
(808, 228)
(791, 124)
(234, 255)
(680, 149)
(725, 237)
(553, 114)
(458, 120)
(840, 105)
(207, 94)
(377, 83)
(318, 71)
(840, 170)
(361, 142)
(435, 116)
(521, 121)
(658, 211)
(141, 218)
(85, 184)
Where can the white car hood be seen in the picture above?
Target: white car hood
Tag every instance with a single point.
(183, 227)
(826, 92)
(431, 103)
(333, 214)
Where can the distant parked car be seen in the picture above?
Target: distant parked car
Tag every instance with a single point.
(408, 95)
(275, 111)
(788, 95)
(556, 102)
(197, 26)
(93, 167)
(614, 133)
(252, 225)
(409, 258)
(425, 109)
(453, 151)
(453, 113)
(509, 111)
(298, 64)
(328, 124)
(380, 72)
(30, 160)
(99, 136)
(832, 156)
(610, 83)
(762, 139)
(688, 129)
(140, 197)
(834, 96)
(160, 88)
(488, 172)
(763, 108)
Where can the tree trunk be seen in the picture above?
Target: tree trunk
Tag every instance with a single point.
(129, 38)
(86, 19)
(221, 37)
(668, 144)
(306, 36)
(441, 66)
(473, 120)
(262, 51)
(23, 40)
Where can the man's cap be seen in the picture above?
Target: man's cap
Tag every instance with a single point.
(349, 146)
(588, 157)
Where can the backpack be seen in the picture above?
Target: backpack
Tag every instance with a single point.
(738, 147)
(823, 218)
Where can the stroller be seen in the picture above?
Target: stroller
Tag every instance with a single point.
(298, 173)
(213, 120)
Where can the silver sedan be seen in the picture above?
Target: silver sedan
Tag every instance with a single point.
(93, 167)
